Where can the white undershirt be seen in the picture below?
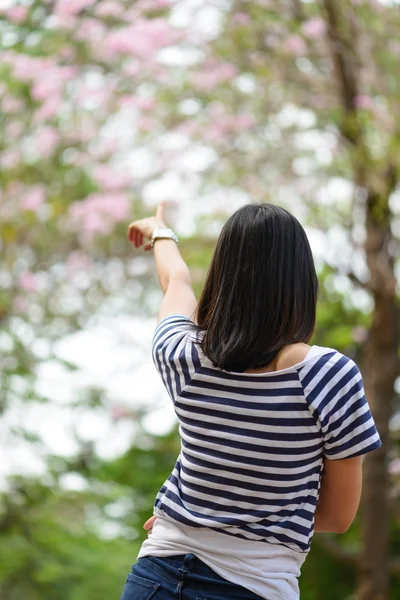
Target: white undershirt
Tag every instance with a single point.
(269, 570)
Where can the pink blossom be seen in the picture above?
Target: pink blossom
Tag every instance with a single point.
(78, 261)
(24, 67)
(49, 109)
(68, 22)
(141, 102)
(188, 128)
(161, 75)
(68, 72)
(95, 224)
(46, 74)
(146, 124)
(224, 125)
(99, 213)
(215, 132)
(112, 179)
(90, 29)
(295, 45)
(14, 129)
(11, 104)
(10, 158)
(17, 14)
(67, 53)
(241, 18)
(121, 411)
(244, 121)
(100, 96)
(28, 282)
(46, 87)
(109, 8)
(47, 140)
(85, 131)
(132, 68)
(364, 102)
(314, 28)
(72, 7)
(105, 147)
(143, 38)
(33, 198)
(144, 103)
(213, 75)
(143, 6)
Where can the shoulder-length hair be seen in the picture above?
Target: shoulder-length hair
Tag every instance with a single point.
(261, 289)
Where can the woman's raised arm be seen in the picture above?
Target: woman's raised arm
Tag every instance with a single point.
(173, 273)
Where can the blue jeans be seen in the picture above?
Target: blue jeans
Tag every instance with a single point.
(184, 577)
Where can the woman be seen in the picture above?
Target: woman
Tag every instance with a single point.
(272, 429)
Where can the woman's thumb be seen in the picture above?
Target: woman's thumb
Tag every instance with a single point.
(149, 523)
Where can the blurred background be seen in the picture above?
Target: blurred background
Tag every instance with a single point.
(107, 107)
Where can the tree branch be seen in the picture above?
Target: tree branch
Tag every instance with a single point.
(345, 71)
(346, 74)
(357, 281)
(298, 13)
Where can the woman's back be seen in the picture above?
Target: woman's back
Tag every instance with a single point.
(253, 444)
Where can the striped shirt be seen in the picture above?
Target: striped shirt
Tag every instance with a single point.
(253, 445)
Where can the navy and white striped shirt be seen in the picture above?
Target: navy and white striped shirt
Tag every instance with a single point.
(253, 445)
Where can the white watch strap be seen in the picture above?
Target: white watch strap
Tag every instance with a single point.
(160, 233)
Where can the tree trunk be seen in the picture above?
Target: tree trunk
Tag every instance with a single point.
(381, 368)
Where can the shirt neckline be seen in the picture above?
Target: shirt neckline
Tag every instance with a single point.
(312, 353)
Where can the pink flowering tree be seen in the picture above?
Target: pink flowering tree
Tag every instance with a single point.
(78, 83)
(77, 111)
(76, 106)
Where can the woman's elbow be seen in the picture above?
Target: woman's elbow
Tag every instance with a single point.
(336, 523)
(343, 525)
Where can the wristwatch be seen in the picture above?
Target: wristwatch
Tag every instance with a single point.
(163, 233)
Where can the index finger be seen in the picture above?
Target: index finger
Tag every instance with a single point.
(160, 210)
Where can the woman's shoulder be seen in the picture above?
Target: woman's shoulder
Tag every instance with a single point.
(292, 355)
(313, 357)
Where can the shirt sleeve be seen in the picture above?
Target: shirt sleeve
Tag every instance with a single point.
(334, 391)
(174, 352)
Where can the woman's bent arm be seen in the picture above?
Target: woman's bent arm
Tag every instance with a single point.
(340, 495)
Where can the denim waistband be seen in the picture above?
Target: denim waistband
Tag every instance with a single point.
(183, 563)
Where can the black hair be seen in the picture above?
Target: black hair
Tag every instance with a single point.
(261, 289)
